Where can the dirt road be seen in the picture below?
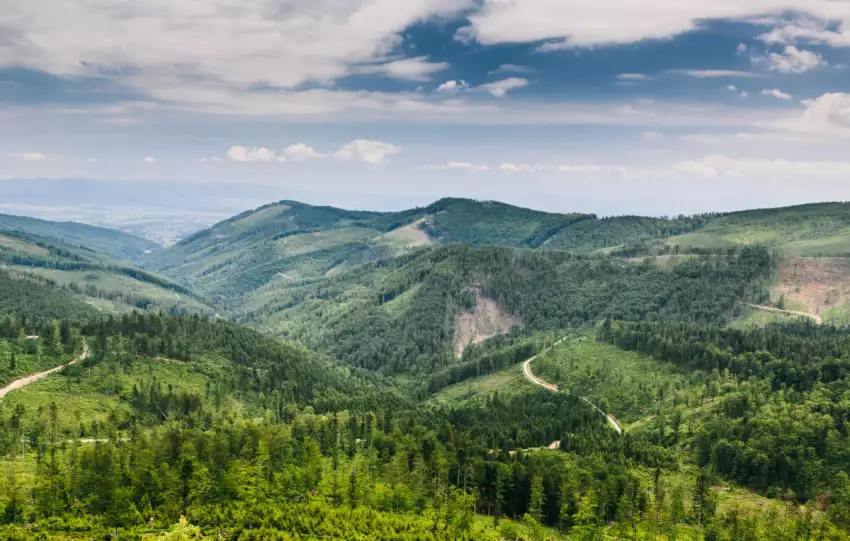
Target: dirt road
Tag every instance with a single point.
(23, 382)
(529, 375)
(817, 319)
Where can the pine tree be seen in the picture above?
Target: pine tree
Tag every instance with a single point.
(536, 498)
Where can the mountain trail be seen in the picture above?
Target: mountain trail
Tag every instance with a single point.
(23, 382)
(529, 375)
(816, 318)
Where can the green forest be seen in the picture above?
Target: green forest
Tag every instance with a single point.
(342, 404)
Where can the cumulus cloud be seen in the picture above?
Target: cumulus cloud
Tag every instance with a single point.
(634, 77)
(149, 159)
(408, 69)
(501, 88)
(776, 93)
(741, 48)
(256, 154)
(794, 60)
(809, 29)
(29, 156)
(519, 168)
(374, 152)
(827, 115)
(300, 151)
(577, 24)
(223, 45)
(452, 87)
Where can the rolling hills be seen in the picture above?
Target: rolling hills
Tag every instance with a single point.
(63, 271)
(290, 242)
(115, 244)
(383, 395)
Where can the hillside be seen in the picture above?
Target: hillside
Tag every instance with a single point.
(383, 396)
(115, 244)
(408, 313)
(291, 241)
(99, 281)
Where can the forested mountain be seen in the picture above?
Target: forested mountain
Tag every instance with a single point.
(107, 284)
(115, 244)
(403, 314)
(386, 398)
(289, 241)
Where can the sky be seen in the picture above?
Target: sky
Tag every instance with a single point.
(612, 106)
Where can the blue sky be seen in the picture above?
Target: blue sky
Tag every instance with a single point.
(614, 106)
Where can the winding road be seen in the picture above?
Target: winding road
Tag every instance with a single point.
(817, 319)
(23, 382)
(529, 375)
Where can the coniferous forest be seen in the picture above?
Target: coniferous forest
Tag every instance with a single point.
(345, 406)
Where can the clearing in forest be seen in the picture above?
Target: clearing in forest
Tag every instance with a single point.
(486, 320)
(818, 286)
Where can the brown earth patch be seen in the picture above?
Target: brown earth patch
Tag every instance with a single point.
(488, 319)
(814, 284)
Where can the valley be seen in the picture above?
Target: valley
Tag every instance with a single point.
(312, 372)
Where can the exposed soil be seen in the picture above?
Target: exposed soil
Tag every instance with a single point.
(488, 319)
(814, 284)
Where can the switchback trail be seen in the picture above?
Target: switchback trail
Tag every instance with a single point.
(817, 319)
(23, 382)
(529, 375)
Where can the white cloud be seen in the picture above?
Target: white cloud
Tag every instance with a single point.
(793, 60)
(408, 69)
(554, 46)
(595, 169)
(501, 88)
(732, 88)
(721, 165)
(808, 29)
(29, 156)
(713, 74)
(256, 154)
(519, 168)
(744, 94)
(634, 77)
(776, 93)
(652, 135)
(214, 46)
(576, 24)
(149, 159)
(511, 68)
(453, 86)
(464, 166)
(373, 152)
(828, 115)
(300, 151)
(741, 48)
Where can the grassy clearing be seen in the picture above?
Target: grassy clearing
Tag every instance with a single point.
(27, 363)
(504, 382)
(19, 245)
(119, 289)
(625, 384)
(754, 317)
(97, 393)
